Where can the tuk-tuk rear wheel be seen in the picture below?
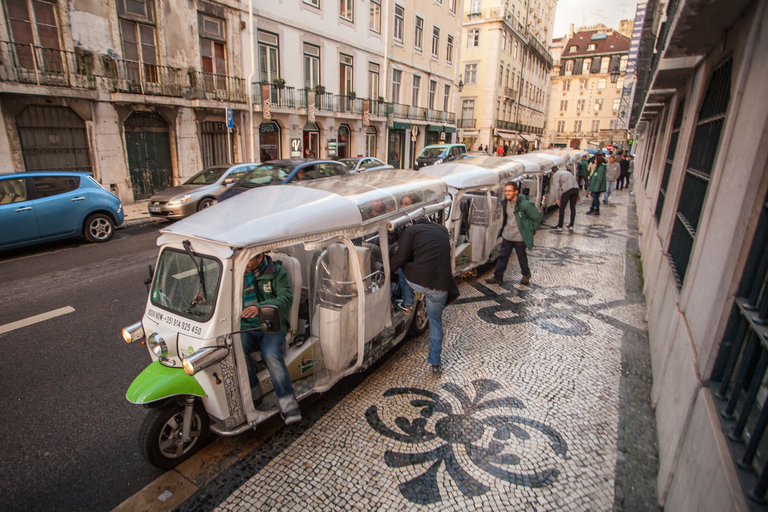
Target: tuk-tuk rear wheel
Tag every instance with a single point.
(160, 434)
(420, 322)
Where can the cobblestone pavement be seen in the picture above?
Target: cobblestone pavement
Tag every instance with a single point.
(542, 404)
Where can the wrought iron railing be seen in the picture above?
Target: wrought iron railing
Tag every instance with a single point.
(142, 78)
(210, 86)
(30, 64)
(467, 123)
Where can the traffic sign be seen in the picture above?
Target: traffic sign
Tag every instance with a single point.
(609, 147)
(230, 123)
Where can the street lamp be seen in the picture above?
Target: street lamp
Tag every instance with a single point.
(615, 74)
(461, 84)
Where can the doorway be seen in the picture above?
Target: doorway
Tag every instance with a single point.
(149, 153)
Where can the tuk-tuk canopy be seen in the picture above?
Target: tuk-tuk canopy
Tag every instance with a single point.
(476, 171)
(282, 212)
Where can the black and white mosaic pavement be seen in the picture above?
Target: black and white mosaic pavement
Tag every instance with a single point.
(524, 416)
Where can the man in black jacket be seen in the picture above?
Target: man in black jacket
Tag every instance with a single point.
(423, 258)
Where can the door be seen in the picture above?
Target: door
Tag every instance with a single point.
(395, 151)
(60, 205)
(337, 316)
(149, 154)
(16, 210)
(311, 145)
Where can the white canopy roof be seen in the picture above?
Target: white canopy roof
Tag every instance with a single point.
(476, 172)
(282, 212)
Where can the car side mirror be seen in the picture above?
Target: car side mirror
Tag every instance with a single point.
(229, 181)
(269, 319)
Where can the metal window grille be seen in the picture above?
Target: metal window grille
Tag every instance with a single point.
(670, 160)
(53, 139)
(214, 143)
(651, 146)
(706, 141)
(739, 376)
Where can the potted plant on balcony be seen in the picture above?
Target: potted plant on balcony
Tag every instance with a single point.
(352, 95)
(381, 100)
(279, 83)
(320, 89)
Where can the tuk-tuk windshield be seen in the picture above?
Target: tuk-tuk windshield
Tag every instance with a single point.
(186, 284)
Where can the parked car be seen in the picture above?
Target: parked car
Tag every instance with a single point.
(198, 192)
(39, 206)
(439, 153)
(280, 172)
(363, 164)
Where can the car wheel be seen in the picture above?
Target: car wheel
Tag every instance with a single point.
(99, 227)
(205, 203)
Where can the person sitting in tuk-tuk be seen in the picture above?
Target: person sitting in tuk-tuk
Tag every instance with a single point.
(266, 283)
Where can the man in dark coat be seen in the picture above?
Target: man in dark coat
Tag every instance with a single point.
(423, 258)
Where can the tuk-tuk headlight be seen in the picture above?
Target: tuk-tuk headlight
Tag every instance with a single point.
(157, 345)
(133, 333)
(203, 358)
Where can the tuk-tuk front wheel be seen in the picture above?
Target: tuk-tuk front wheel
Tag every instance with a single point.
(420, 322)
(160, 437)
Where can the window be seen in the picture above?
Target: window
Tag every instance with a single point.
(397, 76)
(345, 74)
(591, 47)
(311, 65)
(213, 51)
(501, 74)
(580, 104)
(573, 48)
(598, 104)
(563, 105)
(473, 38)
(313, 3)
(399, 22)
(345, 9)
(446, 98)
(34, 23)
(615, 106)
(418, 33)
(416, 91)
(604, 62)
(595, 126)
(374, 19)
(503, 41)
(601, 84)
(432, 94)
(507, 79)
(577, 126)
(468, 109)
(561, 126)
(619, 84)
(568, 67)
(594, 66)
(370, 141)
(373, 81)
(138, 37)
(623, 63)
(583, 85)
(269, 52)
(435, 42)
(452, 6)
(475, 8)
(578, 67)
(585, 66)
(470, 74)
(449, 51)
(566, 85)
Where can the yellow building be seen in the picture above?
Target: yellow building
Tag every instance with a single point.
(504, 73)
(585, 108)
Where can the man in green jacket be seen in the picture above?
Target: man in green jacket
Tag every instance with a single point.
(266, 284)
(597, 185)
(521, 220)
(583, 173)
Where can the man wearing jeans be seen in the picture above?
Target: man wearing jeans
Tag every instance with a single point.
(612, 171)
(266, 284)
(423, 259)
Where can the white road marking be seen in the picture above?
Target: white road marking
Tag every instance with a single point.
(35, 319)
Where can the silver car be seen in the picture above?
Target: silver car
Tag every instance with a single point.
(364, 164)
(198, 192)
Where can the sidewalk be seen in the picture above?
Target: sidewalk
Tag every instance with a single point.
(543, 402)
(136, 214)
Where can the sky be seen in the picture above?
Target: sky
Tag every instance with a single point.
(591, 12)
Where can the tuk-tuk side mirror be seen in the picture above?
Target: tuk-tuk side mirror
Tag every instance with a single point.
(148, 281)
(269, 319)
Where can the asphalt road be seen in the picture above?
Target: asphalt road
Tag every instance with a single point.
(68, 435)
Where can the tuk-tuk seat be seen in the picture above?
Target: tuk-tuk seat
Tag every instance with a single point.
(293, 269)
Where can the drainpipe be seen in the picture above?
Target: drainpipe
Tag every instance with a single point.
(248, 81)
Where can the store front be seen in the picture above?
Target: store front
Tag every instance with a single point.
(269, 141)
(342, 142)
(396, 145)
(311, 140)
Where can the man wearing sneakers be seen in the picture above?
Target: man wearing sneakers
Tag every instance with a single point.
(423, 258)
(521, 220)
(566, 189)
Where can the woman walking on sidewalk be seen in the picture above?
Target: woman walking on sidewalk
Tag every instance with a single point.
(597, 185)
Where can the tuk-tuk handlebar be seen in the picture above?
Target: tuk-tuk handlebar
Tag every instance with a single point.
(408, 218)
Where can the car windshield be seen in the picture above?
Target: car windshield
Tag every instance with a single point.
(431, 152)
(206, 176)
(186, 284)
(265, 174)
(349, 162)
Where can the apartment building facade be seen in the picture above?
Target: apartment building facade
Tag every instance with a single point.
(505, 73)
(587, 83)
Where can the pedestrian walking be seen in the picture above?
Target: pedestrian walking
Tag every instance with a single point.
(423, 261)
(501, 150)
(521, 220)
(623, 180)
(583, 173)
(597, 185)
(566, 189)
(612, 171)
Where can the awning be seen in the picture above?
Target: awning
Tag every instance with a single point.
(527, 137)
(507, 136)
(311, 127)
(401, 126)
(434, 128)
(449, 129)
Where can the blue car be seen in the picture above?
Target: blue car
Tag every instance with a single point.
(39, 206)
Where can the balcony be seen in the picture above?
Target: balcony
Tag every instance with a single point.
(467, 123)
(509, 92)
(209, 86)
(30, 64)
(141, 78)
